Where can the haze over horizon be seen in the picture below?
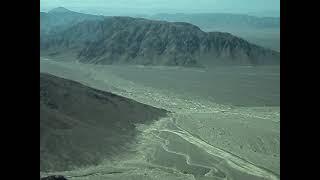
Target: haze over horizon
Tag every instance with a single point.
(124, 7)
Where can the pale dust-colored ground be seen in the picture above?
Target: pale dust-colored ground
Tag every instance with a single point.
(201, 139)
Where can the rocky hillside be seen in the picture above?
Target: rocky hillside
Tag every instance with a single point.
(80, 126)
(126, 40)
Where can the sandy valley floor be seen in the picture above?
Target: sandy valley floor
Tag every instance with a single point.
(224, 122)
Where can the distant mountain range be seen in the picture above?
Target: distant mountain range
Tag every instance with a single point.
(59, 19)
(126, 40)
(220, 20)
(263, 31)
(80, 126)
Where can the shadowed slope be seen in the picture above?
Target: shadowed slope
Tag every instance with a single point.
(80, 126)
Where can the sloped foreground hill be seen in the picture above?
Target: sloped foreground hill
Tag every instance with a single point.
(81, 126)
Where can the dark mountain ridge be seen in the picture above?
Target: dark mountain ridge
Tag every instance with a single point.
(126, 40)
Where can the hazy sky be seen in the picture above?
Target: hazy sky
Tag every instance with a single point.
(146, 6)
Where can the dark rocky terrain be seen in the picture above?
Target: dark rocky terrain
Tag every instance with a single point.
(80, 126)
(126, 40)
